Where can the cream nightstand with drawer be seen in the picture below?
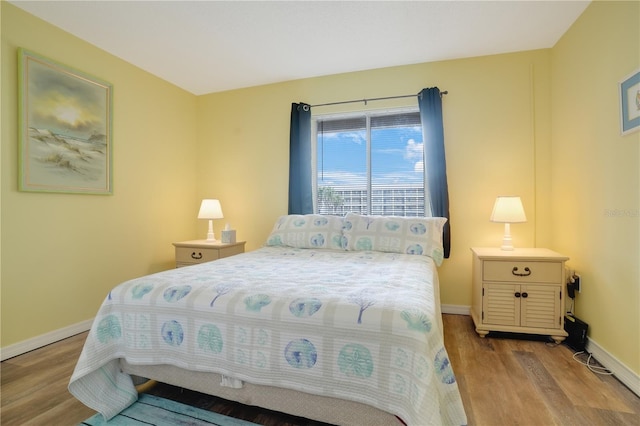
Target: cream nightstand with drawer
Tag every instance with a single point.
(200, 251)
(519, 291)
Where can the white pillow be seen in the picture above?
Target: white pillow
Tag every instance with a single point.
(395, 234)
(307, 231)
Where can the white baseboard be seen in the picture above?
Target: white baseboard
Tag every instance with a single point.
(613, 364)
(44, 340)
(456, 309)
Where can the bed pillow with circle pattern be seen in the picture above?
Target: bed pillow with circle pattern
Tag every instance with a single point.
(308, 231)
(395, 234)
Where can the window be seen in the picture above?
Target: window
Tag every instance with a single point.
(369, 163)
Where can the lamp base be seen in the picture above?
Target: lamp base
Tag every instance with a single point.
(506, 247)
(507, 242)
(211, 237)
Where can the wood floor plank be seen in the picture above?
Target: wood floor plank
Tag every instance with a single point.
(68, 412)
(553, 396)
(622, 393)
(546, 402)
(524, 393)
(574, 383)
(491, 392)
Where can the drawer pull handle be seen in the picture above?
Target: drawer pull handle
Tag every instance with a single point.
(517, 294)
(196, 257)
(525, 295)
(526, 272)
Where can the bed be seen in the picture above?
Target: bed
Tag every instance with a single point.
(335, 319)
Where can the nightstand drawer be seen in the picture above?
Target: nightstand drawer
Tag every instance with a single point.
(522, 271)
(200, 251)
(196, 254)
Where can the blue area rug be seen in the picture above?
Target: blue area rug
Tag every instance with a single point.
(151, 410)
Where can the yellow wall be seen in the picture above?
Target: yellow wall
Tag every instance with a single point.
(596, 173)
(62, 253)
(540, 124)
(496, 124)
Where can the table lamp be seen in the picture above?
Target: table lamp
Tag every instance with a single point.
(508, 210)
(210, 209)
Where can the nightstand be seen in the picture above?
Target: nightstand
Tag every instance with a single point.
(200, 251)
(519, 291)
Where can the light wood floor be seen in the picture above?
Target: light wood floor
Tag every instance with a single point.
(502, 382)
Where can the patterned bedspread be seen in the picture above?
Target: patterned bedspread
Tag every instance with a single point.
(362, 326)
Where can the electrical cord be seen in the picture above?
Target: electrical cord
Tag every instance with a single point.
(594, 368)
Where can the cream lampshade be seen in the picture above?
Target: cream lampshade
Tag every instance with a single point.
(508, 210)
(210, 209)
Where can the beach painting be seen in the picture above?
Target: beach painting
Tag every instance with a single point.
(65, 128)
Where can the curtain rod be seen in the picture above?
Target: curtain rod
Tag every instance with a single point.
(372, 99)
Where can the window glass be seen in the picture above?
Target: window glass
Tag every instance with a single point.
(370, 163)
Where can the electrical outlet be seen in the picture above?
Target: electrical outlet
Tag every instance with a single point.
(577, 282)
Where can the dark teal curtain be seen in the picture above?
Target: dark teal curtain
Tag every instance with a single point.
(300, 185)
(430, 104)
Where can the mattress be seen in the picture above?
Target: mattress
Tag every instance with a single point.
(358, 326)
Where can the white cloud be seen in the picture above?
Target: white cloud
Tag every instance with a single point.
(413, 150)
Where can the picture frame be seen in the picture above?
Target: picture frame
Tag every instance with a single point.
(629, 91)
(65, 128)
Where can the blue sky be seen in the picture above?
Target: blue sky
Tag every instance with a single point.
(396, 156)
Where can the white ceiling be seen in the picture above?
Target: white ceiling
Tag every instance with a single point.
(212, 46)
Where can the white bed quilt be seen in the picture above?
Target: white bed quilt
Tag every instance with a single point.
(362, 326)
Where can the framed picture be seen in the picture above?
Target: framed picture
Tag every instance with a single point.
(65, 128)
(630, 103)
